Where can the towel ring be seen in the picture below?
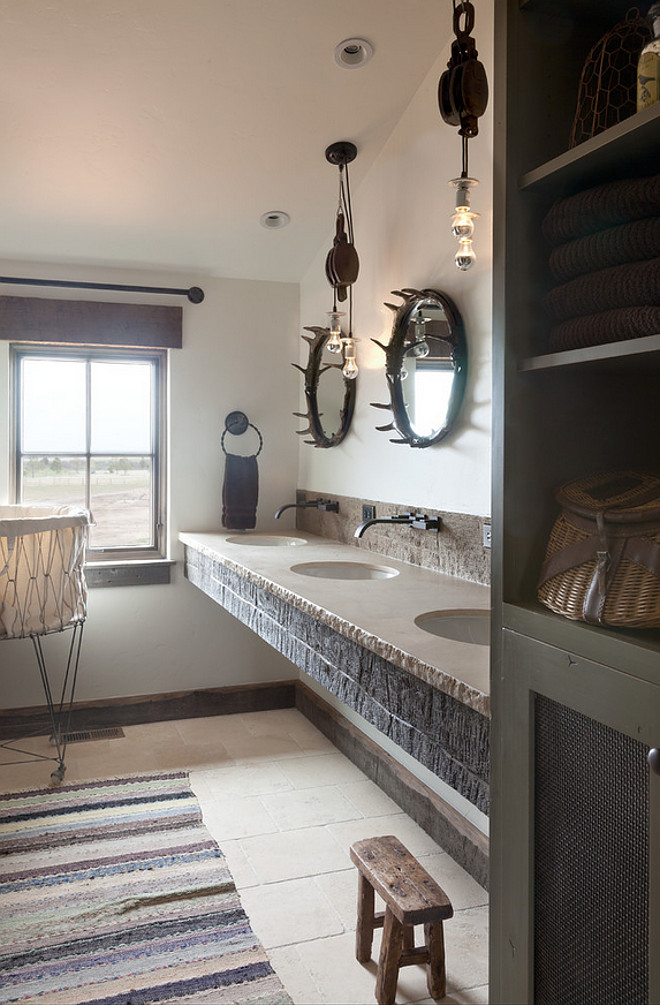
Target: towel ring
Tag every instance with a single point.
(237, 423)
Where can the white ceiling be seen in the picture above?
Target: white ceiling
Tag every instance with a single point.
(155, 133)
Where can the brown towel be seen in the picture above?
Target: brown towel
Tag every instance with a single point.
(240, 491)
(607, 326)
(633, 285)
(629, 242)
(600, 207)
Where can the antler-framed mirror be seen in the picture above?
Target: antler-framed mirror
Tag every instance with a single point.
(425, 367)
(331, 400)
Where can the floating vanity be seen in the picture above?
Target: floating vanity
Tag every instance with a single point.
(383, 636)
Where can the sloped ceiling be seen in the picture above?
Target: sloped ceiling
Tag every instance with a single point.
(154, 133)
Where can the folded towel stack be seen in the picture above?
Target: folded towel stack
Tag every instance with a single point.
(606, 258)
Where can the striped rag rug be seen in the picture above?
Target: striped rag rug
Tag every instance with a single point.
(113, 892)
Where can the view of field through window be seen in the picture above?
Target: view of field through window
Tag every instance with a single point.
(86, 440)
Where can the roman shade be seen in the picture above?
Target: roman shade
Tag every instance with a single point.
(85, 322)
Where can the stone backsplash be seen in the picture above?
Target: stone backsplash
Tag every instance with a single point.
(457, 550)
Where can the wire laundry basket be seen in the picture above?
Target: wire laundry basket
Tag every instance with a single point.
(42, 591)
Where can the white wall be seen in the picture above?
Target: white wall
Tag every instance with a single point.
(402, 213)
(237, 348)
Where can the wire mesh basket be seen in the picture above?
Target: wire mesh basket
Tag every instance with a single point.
(608, 85)
(42, 584)
(42, 591)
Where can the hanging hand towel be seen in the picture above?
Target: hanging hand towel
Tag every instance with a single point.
(240, 492)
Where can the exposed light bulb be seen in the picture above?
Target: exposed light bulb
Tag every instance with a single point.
(334, 343)
(350, 367)
(462, 223)
(420, 326)
(465, 256)
(420, 349)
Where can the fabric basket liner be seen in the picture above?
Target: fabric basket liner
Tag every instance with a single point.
(42, 584)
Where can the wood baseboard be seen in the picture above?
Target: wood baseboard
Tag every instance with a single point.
(154, 708)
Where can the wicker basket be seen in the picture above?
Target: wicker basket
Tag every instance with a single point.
(602, 563)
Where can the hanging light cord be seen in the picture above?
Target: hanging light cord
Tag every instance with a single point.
(345, 206)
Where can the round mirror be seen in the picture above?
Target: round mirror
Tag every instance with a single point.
(426, 367)
(329, 395)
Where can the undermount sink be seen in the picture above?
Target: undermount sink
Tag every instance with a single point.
(344, 570)
(459, 626)
(267, 540)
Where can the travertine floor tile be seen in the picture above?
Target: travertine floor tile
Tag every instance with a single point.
(309, 807)
(237, 817)
(473, 996)
(288, 722)
(341, 890)
(211, 729)
(293, 854)
(408, 832)
(260, 748)
(466, 941)
(242, 872)
(321, 769)
(292, 972)
(369, 799)
(239, 779)
(343, 981)
(462, 890)
(284, 914)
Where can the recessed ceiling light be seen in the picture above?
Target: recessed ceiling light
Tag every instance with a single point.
(353, 53)
(274, 220)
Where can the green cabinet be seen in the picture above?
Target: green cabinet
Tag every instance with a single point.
(558, 416)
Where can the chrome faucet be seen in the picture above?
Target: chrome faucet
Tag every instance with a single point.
(324, 504)
(418, 520)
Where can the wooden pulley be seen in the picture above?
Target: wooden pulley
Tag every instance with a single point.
(463, 87)
(342, 263)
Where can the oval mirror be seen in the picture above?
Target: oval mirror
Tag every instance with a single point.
(426, 367)
(330, 396)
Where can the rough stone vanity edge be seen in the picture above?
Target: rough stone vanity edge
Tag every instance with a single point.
(432, 675)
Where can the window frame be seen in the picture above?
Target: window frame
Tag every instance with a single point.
(118, 556)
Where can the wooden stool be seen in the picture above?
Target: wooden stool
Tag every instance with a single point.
(411, 897)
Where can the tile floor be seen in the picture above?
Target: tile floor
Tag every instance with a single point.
(284, 805)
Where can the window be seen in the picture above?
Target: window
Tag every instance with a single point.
(89, 431)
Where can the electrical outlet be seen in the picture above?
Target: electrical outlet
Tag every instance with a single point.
(487, 531)
(368, 513)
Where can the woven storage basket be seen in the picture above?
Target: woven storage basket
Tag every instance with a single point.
(602, 563)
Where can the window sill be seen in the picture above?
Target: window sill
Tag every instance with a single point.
(150, 572)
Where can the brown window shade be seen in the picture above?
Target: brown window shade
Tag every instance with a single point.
(81, 322)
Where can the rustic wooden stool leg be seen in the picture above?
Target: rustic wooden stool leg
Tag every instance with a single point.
(390, 957)
(364, 933)
(408, 936)
(436, 977)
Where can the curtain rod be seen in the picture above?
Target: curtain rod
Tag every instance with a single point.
(195, 294)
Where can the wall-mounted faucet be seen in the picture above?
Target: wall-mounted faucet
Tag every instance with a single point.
(418, 520)
(330, 505)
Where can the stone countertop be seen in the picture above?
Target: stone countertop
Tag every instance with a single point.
(377, 614)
